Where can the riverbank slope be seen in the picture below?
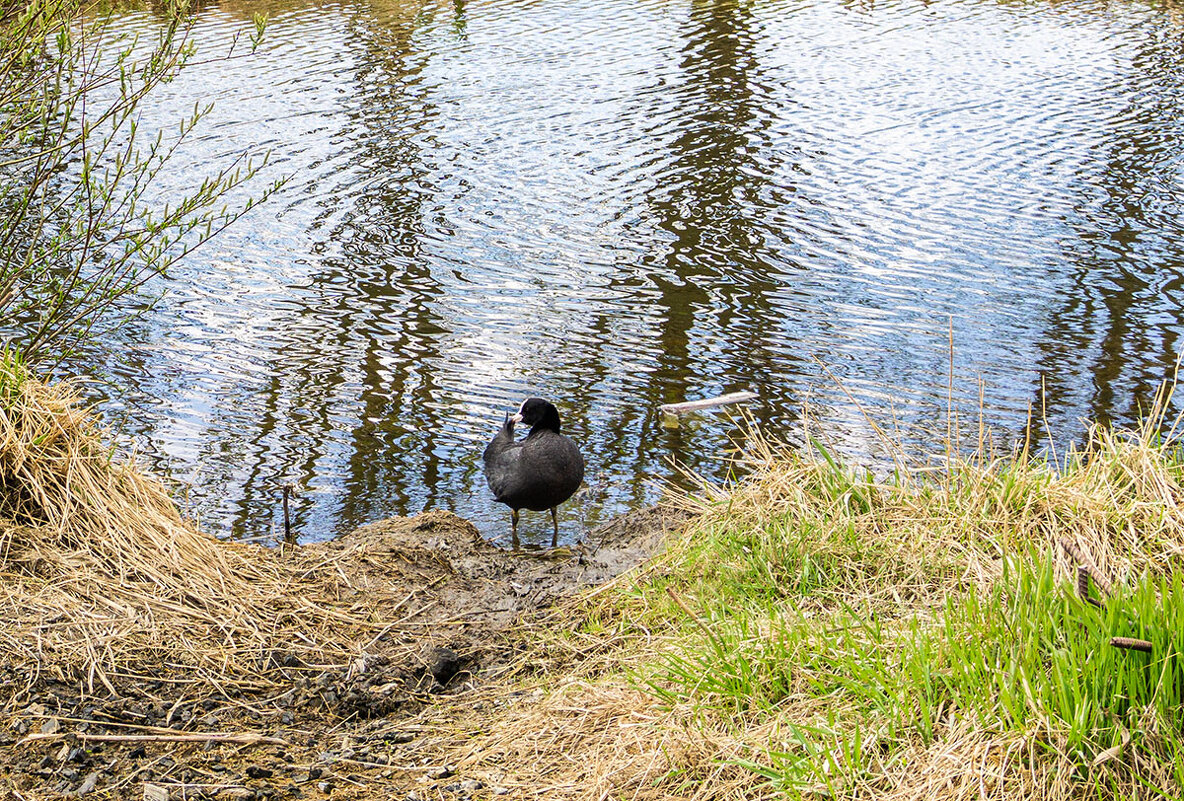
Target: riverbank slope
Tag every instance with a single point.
(816, 630)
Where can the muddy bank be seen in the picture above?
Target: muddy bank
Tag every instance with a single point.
(449, 614)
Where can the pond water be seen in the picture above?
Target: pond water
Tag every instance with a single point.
(622, 203)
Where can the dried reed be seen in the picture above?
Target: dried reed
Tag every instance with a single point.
(102, 580)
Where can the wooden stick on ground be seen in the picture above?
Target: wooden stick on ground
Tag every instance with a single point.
(1083, 586)
(1086, 571)
(240, 738)
(1084, 562)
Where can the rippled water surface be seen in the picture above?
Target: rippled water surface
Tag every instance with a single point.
(622, 203)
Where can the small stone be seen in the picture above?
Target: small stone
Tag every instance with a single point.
(325, 787)
(471, 785)
(257, 772)
(314, 773)
(88, 783)
(77, 754)
(287, 717)
(440, 773)
(500, 791)
(154, 792)
(50, 726)
(210, 720)
(139, 752)
(444, 663)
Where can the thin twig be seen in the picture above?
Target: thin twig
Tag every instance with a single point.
(707, 403)
(1083, 586)
(244, 738)
(1082, 559)
(674, 596)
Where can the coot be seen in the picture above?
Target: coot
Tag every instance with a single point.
(540, 472)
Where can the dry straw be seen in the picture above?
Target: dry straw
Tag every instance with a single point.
(101, 579)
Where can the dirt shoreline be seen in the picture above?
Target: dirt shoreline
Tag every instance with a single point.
(456, 636)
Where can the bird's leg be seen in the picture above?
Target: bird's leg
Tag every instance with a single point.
(555, 523)
(514, 527)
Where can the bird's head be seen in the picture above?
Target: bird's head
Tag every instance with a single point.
(538, 414)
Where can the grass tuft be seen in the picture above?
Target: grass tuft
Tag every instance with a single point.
(101, 580)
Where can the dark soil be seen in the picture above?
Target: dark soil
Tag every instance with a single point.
(358, 732)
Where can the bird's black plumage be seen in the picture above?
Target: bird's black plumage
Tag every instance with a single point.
(539, 472)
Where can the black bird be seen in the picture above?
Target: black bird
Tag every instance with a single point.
(540, 472)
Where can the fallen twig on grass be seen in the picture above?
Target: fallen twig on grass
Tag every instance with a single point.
(1131, 644)
(243, 738)
(674, 596)
(1086, 571)
(1086, 564)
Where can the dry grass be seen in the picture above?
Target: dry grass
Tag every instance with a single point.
(595, 740)
(101, 579)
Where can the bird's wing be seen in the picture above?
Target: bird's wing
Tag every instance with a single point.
(502, 471)
(501, 458)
